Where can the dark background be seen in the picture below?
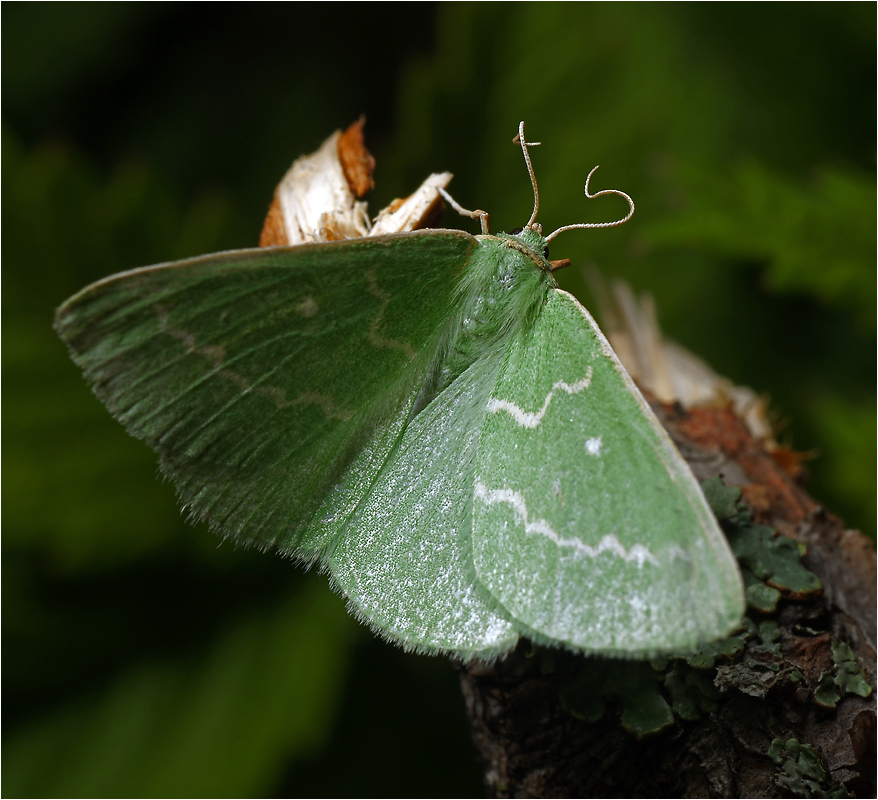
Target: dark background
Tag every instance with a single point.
(139, 657)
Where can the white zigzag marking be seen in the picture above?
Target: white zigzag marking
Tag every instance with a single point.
(638, 553)
(529, 419)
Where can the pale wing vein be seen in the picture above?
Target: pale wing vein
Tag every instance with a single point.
(216, 355)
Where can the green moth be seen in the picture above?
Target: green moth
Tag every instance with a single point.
(431, 421)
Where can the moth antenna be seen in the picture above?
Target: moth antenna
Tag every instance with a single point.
(597, 224)
(519, 139)
(481, 216)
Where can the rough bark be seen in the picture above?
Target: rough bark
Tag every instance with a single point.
(534, 748)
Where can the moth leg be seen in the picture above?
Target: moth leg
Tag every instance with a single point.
(481, 216)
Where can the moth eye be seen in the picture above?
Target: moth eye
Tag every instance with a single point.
(546, 252)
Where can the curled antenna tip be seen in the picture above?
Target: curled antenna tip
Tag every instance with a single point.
(588, 178)
(590, 196)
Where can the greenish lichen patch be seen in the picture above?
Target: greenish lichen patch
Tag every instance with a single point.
(645, 713)
(850, 677)
(724, 500)
(773, 558)
(692, 691)
(770, 563)
(758, 594)
(632, 687)
(826, 693)
(707, 655)
(844, 677)
(801, 771)
(769, 636)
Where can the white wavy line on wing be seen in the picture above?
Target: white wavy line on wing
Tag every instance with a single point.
(530, 419)
(609, 543)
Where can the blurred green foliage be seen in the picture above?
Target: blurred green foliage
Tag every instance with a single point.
(140, 658)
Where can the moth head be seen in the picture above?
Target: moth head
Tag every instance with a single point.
(533, 238)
